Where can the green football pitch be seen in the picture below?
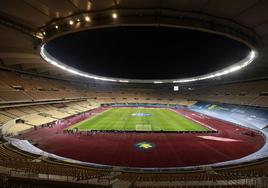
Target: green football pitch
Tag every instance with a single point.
(138, 119)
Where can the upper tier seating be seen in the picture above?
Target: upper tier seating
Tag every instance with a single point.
(21, 87)
(245, 93)
(14, 96)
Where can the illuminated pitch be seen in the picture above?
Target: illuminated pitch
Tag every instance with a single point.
(138, 119)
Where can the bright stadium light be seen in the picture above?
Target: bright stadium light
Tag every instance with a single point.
(233, 68)
(237, 66)
(56, 26)
(60, 65)
(71, 22)
(39, 35)
(123, 81)
(87, 18)
(114, 15)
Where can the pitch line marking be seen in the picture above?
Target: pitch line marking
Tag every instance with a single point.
(207, 126)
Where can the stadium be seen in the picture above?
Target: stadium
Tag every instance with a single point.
(138, 94)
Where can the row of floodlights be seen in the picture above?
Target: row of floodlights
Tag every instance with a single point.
(86, 18)
(237, 66)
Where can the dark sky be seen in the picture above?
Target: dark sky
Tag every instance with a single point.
(146, 52)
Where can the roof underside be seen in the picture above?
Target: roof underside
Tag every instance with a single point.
(20, 17)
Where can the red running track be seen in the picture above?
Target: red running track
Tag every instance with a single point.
(171, 149)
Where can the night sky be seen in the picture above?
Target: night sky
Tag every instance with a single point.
(146, 52)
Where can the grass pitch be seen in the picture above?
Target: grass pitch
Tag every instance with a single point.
(138, 119)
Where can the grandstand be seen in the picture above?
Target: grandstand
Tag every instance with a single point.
(133, 94)
(251, 93)
(43, 112)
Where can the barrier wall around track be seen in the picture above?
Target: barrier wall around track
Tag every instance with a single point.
(26, 146)
(145, 105)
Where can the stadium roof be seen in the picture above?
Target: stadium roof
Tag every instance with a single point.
(23, 23)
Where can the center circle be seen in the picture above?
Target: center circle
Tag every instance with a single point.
(140, 114)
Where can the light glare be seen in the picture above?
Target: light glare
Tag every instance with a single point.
(87, 19)
(249, 59)
(55, 62)
(237, 66)
(124, 81)
(114, 15)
